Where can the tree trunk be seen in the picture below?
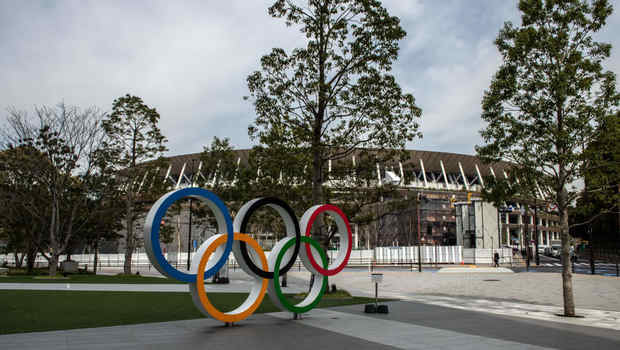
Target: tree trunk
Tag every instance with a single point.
(618, 209)
(18, 259)
(53, 264)
(129, 238)
(96, 258)
(54, 229)
(30, 258)
(317, 177)
(567, 278)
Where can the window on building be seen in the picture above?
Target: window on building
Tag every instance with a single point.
(513, 219)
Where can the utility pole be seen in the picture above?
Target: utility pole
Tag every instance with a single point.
(536, 231)
(189, 235)
(419, 241)
(527, 242)
(592, 268)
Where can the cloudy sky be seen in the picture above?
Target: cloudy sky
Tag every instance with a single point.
(190, 60)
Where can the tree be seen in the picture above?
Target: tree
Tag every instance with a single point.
(61, 144)
(547, 98)
(601, 195)
(220, 168)
(133, 139)
(521, 186)
(596, 215)
(366, 202)
(105, 202)
(21, 195)
(335, 94)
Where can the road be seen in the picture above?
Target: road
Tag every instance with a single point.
(550, 264)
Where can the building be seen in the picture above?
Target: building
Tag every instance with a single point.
(444, 184)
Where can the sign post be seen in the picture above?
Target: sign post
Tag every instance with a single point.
(376, 278)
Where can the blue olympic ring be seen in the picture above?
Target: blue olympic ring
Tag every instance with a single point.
(152, 226)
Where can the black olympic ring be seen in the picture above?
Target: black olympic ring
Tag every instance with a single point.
(290, 221)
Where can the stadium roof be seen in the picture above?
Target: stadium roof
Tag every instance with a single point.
(439, 170)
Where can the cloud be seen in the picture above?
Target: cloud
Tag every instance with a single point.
(190, 61)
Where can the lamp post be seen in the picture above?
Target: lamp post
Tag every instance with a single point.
(536, 231)
(526, 239)
(189, 235)
(420, 197)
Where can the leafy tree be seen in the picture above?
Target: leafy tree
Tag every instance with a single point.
(335, 94)
(22, 197)
(105, 202)
(366, 203)
(601, 195)
(133, 138)
(60, 145)
(548, 97)
(220, 168)
(521, 186)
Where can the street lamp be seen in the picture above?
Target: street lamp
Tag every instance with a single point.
(189, 235)
(526, 238)
(536, 231)
(419, 201)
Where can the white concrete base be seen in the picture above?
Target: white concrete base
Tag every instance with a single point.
(474, 269)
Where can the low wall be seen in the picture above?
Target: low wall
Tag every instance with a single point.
(378, 256)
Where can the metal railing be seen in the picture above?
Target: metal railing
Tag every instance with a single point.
(395, 256)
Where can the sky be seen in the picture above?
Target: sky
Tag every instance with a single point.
(190, 60)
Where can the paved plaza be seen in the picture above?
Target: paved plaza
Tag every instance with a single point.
(475, 308)
(591, 291)
(409, 325)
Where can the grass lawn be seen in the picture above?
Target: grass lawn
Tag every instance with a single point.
(87, 278)
(32, 311)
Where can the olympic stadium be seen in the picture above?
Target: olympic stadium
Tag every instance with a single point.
(450, 211)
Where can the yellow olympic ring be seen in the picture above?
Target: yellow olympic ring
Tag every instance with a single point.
(256, 295)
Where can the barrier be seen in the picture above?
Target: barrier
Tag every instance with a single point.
(360, 257)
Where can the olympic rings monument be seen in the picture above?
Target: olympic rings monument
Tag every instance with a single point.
(233, 238)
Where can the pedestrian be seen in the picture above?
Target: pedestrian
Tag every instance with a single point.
(572, 255)
(496, 259)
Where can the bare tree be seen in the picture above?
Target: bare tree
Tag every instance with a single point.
(66, 139)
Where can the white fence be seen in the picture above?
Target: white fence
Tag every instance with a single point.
(485, 255)
(377, 256)
(427, 254)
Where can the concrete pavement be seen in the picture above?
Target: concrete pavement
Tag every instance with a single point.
(438, 311)
(408, 326)
(527, 295)
(590, 291)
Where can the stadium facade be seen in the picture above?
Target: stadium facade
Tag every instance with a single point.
(449, 212)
